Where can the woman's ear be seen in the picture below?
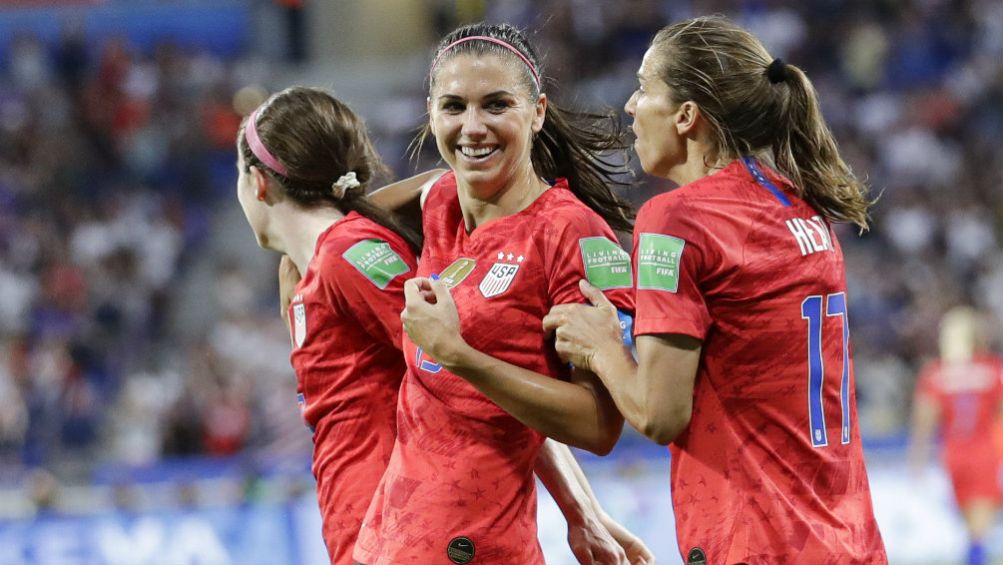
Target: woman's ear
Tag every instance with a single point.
(261, 183)
(541, 113)
(687, 118)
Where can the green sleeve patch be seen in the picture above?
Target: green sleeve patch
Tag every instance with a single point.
(607, 266)
(658, 258)
(376, 260)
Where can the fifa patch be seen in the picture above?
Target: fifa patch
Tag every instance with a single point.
(696, 556)
(500, 276)
(606, 265)
(457, 271)
(460, 550)
(376, 261)
(299, 324)
(658, 258)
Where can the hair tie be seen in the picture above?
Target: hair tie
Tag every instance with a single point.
(506, 45)
(777, 71)
(344, 183)
(258, 147)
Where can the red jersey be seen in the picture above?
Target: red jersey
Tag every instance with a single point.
(459, 487)
(346, 331)
(969, 395)
(770, 468)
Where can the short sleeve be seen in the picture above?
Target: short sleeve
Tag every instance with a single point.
(583, 246)
(367, 281)
(672, 258)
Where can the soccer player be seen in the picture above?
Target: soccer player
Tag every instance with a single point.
(962, 392)
(508, 232)
(741, 329)
(305, 161)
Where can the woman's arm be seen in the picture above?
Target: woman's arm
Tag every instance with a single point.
(594, 537)
(403, 192)
(925, 417)
(579, 413)
(654, 394)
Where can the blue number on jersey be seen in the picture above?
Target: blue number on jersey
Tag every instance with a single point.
(426, 363)
(811, 310)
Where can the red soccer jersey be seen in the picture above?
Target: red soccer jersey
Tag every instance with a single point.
(346, 330)
(460, 481)
(770, 469)
(969, 395)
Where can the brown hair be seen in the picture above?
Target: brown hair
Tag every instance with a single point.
(754, 104)
(318, 139)
(571, 144)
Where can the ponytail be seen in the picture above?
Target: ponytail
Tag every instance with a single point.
(808, 155)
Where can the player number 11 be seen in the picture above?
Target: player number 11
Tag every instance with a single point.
(811, 310)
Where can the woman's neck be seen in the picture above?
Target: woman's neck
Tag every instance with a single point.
(520, 192)
(296, 233)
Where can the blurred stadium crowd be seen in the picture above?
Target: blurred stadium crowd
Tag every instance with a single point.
(115, 163)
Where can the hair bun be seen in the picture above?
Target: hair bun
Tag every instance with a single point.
(777, 71)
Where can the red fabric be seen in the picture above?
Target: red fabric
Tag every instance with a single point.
(969, 396)
(462, 466)
(747, 484)
(348, 369)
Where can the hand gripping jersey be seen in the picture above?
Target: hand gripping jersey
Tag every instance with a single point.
(969, 395)
(460, 486)
(346, 332)
(770, 469)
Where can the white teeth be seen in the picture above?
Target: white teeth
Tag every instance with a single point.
(476, 152)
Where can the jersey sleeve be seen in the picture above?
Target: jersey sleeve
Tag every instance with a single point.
(583, 246)
(672, 256)
(367, 281)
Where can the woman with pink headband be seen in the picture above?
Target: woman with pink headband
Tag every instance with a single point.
(525, 212)
(305, 161)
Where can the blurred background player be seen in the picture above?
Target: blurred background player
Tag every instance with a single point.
(502, 245)
(741, 329)
(961, 393)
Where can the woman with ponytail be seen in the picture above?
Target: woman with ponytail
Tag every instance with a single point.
(305, 162)
(741, 330)
(525, 212)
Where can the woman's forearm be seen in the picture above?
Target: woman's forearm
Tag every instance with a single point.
(578, 413)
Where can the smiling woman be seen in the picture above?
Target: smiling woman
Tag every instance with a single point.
(524, 214)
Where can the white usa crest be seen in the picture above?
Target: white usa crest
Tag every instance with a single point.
(299, 324)
(498, 279)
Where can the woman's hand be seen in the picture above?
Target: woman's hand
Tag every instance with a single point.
(582, 332)
(431, 320)
(637, 552)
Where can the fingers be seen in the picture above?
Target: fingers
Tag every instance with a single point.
(440, 291)
(558, 316)
(412, 292)
(595, 296)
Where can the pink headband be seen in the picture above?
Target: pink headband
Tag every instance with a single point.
(258, 148)
(532, 69)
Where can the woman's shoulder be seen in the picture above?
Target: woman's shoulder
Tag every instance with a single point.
(356, 240)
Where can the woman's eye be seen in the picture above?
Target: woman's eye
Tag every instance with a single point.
(497, 105)
(452, 107)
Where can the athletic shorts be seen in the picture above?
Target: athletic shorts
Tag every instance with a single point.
(976, 476)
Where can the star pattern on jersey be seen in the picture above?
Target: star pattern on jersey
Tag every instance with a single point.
(503, 256)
